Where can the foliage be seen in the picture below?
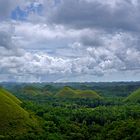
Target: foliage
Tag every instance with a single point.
(81, 114)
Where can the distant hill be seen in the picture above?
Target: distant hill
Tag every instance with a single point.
(34, 90)
(51, 88)
(31, 90)
(14, 120)
(68, 92)
(87, 94)
(134, 96)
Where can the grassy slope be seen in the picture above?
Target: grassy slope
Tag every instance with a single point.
(34, 91)
(67, 92)
(31, 90)
(16, 100)
(13, 119)
(134, 96)
(87, 94)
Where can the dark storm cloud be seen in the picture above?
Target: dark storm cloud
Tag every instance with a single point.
(124, 15)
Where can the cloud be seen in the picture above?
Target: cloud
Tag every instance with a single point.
(7, 45)
(96, 61)
(6, 7)
(72, 39)
(107, 15)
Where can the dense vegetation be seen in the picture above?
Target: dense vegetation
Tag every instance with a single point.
(82, 111)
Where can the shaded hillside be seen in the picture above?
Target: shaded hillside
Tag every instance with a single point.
(31, 90)
(14, 120)
(68, 92)
(134, 96)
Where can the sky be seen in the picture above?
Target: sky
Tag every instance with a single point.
(69, 40)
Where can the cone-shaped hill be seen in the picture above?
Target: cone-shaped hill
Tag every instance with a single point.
(134, 96)
(87, 94)
(34, 91)
(68, 92)
(14, 120)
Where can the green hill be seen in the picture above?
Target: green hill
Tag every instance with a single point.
(68, 92)
(87, 94)
(31, 90)
(134, 96)
(51, 89)
(34, 91)
(16, 100)
(14, 120)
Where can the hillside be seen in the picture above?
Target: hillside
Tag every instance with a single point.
(33, 90)
(16, 100)
(87, 94)
(68, 92)
(134, 96)
(14, 120)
